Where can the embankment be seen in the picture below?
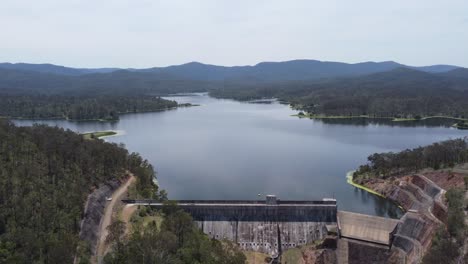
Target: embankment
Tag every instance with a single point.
(422, 199)
(94, 211)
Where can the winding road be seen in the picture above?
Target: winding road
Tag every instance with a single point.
(107, 217)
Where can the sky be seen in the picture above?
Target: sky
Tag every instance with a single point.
(148, 33)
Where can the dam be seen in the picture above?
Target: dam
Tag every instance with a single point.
(269, 226)
(272, 226)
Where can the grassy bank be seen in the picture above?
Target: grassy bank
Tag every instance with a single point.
(429, 117)
(330, 117)
(349, 179)
(394, 119)
(462, 122)
(98, 134)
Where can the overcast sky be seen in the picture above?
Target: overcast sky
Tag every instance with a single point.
(145, 33)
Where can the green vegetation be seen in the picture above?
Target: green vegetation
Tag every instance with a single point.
(456, 217)
(80, 108)
(311, 116)
(401, 94)
(349, 179)
(463, 124)
(46, 175)
(292, 255)
(446, 242)
(444, 154)
(257, 257)
(175, 239)
(440, 120)
(98, 134)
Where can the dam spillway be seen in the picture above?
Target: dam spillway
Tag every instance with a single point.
(268, 226)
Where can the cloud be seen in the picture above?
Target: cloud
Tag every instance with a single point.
(145, 33)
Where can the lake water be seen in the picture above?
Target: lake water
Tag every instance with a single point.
(225, 149)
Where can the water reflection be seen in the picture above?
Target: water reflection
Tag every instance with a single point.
(430, 122)
(224, 149)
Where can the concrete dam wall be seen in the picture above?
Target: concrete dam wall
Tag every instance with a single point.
(268, 226)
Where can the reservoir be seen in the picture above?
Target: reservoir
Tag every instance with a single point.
(224, 149)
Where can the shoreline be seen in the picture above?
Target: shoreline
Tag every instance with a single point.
(350, 180)
(98, 119)
(389, 119)
(103, 134)
(393, 119)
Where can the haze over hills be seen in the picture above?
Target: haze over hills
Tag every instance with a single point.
(264, 71)
(400, 92)
(331, 88)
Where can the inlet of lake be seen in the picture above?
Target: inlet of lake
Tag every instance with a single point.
(224, 149)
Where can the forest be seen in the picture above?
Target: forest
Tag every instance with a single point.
(438, 155)
(395, 92)
(446, 154)
(37, 95)
(46, 174)
(79, 107)
(174, 240)
(400, 93)
(447, 241)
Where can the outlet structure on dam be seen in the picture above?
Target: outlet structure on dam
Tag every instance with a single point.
(268, 226)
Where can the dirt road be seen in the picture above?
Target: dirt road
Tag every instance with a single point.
(107, 217)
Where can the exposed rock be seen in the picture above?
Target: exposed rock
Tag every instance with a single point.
(414, 235)
(363, 253)
(423, 199)
(93, 212)
(446, 179)
(318, 254)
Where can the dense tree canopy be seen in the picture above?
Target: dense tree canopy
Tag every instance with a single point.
(79, 107)
(45, 176)
(397, 93)
(447, 241)
(176, 241)
(438, 155)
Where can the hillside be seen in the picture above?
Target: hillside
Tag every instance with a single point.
(122, 82)
(51, 68)
(401, 92)
(46, 175)
(263, 71)
(80, 107)
(384, 89)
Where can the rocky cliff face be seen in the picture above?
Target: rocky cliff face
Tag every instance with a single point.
(94, 210)
(422, 198)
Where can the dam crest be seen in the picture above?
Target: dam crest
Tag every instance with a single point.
(269, 226)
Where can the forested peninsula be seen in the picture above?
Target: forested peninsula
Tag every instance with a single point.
(400, 93)
(46, 175)
(97, 96)
(79, 108)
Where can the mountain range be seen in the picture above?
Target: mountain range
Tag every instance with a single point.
(239, 82)
(385, 89)
(261, 72)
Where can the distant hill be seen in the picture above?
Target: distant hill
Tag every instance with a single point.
(332, 88)
(401, 92)
(275, 71)
(436, 68)
(121, 82)
(55, 69)
(262, 72)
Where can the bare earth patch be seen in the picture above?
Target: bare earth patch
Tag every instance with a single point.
(102, 247)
